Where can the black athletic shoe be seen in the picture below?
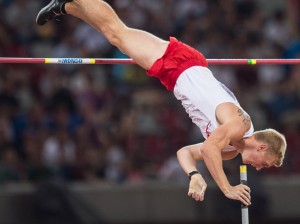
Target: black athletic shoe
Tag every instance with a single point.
(53, 9)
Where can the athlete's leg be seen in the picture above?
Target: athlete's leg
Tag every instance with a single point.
(144, 48)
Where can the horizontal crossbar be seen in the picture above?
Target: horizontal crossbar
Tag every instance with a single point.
(12, 60)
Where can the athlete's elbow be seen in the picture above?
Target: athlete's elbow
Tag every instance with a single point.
(179, 152)
(206, 152)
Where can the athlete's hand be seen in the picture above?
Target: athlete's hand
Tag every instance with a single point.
(239, 192)
(197, 187)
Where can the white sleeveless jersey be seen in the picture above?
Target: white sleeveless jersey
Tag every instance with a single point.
(200, 93)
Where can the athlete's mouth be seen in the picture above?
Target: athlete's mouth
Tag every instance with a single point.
(246, 162)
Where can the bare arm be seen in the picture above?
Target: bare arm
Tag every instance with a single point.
(189, 155)
(187, 158)
(212, 157)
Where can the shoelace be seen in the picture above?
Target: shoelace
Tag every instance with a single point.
(55, 13)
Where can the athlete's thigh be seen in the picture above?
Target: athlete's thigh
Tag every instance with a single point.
(143, 47)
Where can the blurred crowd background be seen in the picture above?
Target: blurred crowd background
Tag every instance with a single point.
(112, 122)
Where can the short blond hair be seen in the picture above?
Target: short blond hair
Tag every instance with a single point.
(276, 142)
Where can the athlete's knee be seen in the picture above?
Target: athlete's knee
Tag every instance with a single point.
(114, 35)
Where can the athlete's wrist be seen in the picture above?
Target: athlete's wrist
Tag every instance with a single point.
(226, 189)
(192, 173)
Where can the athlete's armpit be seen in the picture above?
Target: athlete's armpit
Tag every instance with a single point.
(229, 155)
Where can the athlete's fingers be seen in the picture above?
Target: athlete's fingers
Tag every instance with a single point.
(246, 193)
(245, 199)
(195, 196)
(202, 193)
(245, 187)
(192, 194)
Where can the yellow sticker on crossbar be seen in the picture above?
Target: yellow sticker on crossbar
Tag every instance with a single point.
(252, 62)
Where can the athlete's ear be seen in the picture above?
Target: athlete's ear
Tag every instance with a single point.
(262, 147)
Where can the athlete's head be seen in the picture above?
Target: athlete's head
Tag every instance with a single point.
(265, 148)
(276, 144)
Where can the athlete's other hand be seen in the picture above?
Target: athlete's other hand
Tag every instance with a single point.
(239, 192)
(197, 187)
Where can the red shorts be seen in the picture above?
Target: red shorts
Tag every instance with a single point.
(177, 58)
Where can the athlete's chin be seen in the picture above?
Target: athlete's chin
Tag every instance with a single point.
(245, 161)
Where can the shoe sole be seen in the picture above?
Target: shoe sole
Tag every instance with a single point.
(42, 19)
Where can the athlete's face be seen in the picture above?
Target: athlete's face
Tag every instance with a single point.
(259, 158)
